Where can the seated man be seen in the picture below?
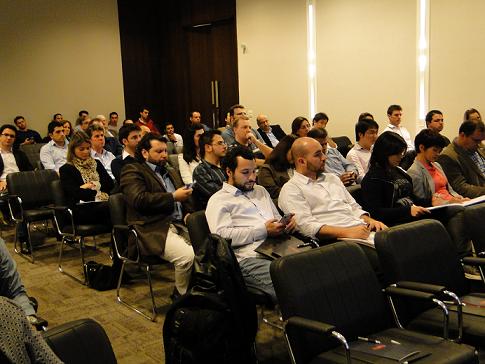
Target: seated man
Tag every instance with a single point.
(271, 134)
(25, 135)
(244, 136)
(335, 162)
(96, 134)
(244, 213)
(366, 134)
(323, 207)
(208, 176)
(111, 143)
(172, 136)
(113, 124)
(195, 118)
(145, 120)
(236, 112)
(464, 162)
(157, 207)
(129, 136)
(53, 155)
(434, 121)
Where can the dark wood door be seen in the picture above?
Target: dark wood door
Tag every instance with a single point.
(212, 69)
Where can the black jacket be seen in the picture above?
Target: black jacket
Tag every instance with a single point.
(117, 165)
(277, 132)
(21, 160)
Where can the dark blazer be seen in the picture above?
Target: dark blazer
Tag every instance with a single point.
(118, 163)
(113, 145)
(21, 160)
(277, 132)
(272, 180)
(71, 181)
(149, 207)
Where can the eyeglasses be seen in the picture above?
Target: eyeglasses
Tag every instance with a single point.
(9, 135)
(219, 143)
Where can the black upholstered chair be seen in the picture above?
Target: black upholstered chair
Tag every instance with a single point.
(71, 231)
(121, 233)
(29, 201)
(330, 296)
(474, 216)
(343, 144)
(32, 151)
(198, 232)
(79, 342)
(423, 252)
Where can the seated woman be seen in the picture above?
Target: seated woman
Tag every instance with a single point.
(388, 193)
(300, 127)
(429, 181)
(278, 168)
(190, 158)
(387, 190)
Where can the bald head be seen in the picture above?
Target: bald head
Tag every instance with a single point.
(263, 122)
(308, 157)
(301, 147)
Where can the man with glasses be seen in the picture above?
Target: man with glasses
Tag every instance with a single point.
(53, 155)
(208, 176)
(464, 162)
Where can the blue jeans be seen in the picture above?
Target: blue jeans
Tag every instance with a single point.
(10, 283)
(255, 272)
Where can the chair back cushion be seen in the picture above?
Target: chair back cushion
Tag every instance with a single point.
(343, 144)
(334, 284)
(198, 229)
(117, 209)
(32, 151)
(33, 187)
(474, 220)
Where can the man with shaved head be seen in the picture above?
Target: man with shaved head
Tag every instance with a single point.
(323, 207)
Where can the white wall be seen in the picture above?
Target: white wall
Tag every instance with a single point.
(272, 72)
(457, 49)
(59, 56)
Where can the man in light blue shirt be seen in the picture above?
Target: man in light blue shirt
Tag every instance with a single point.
(96, 134)
(53, 155)
(236, 112)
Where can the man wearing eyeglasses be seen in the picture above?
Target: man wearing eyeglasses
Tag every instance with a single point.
(10, 160)
(208, 176)
(464, 162)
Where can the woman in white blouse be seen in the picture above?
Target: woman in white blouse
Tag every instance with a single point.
(190, 158)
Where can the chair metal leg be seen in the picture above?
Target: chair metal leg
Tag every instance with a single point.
(29, 244)
(131, 307)
(271, 323)
(63, 242)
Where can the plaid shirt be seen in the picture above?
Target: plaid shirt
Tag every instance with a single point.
(479, 161)
(208, 179)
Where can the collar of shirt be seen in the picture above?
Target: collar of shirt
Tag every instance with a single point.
(124, 154)
(54, 144)
(6, 151)
(307, 180)
(96, 154)
(233, 190)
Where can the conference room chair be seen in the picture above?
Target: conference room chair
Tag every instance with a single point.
(474, 217)
(121, 235)
(80, 342)
(343, 144)
(72, 232)
(330, 297)
(421, 255)
(32, 151)
(198, 233)
(29, 197)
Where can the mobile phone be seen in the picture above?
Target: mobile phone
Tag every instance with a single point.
(189, 185)
(286, 219)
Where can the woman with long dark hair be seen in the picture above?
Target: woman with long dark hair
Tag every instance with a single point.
(300, 126)
(278, 168)
(190, 158)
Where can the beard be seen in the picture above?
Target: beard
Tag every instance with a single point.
(245, 187)
(161, 162)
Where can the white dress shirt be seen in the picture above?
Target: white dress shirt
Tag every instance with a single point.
(105, 157)
(402, 131)
(360, 157)
(241, 217)
(178, 138)
(325, 201)
(9, 164)
(53, 156)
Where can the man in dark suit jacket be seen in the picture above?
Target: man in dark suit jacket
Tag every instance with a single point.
(271, 134)
(129, 135)
(157, 206)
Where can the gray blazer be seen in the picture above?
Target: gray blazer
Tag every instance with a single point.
(423, 184)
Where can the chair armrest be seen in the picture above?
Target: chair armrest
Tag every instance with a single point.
(316, 327)
(423, 287)
(15, 200)
(128, 230)
(406, 292)
(476, 261)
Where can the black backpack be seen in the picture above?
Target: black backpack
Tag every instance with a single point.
(216, 320)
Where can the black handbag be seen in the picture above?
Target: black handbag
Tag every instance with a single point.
(101, 277)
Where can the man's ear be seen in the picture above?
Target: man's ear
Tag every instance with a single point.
(144, 153)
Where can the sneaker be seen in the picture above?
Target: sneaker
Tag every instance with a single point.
(472, 272)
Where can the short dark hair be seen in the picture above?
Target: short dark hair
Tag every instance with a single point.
(366, 115)
(277, 159)
(8, 126)
(125, 131)
(145, 144)
(83, 112)
(144, 108)
(393, 108)
(55, 115)
(192, 113)
(429, 116)
(296, 124)
(113, 113)
(52, 125)
(363, 125)
(469, 112)
(468, 127)
(429, 138)
(206, 139)
(92, 128)
(387, 144)
(320, 116)
(17, 118)
(317, 133)
(233, 107)
(167, 124)
(230, 160)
